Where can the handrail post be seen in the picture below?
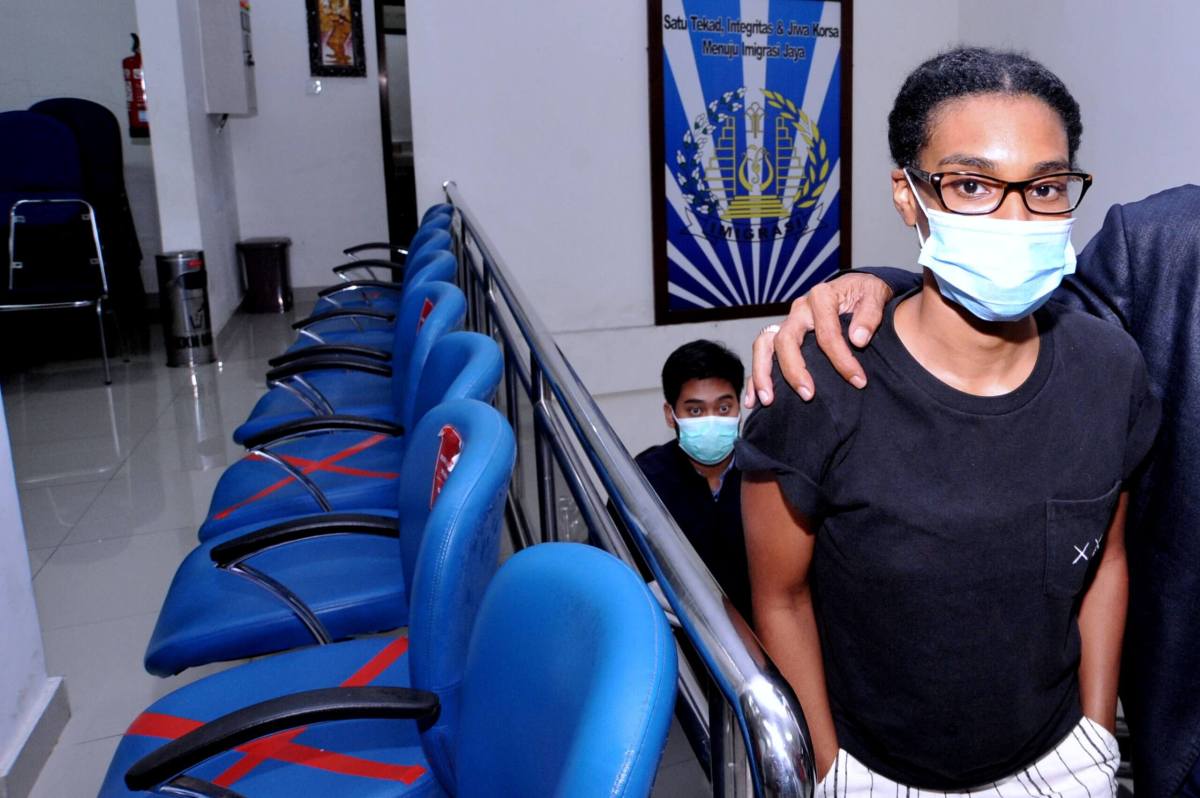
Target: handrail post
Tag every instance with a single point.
(729, 770)
(749, 726)
(547, 502)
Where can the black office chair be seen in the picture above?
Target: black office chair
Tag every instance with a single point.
(53, 259)
(98, 136)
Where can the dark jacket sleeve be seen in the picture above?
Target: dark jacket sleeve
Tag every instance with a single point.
(1102, 284)
(899, 280)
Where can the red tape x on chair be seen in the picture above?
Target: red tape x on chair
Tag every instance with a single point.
(446, 559)
(340, 463)
(567, 689)
(310, 579)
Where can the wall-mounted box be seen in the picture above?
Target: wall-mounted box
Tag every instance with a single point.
(227, 56)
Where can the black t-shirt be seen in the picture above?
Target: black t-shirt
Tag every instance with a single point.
(956, 536)
(712, 525)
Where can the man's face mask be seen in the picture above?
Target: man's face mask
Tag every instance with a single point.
(707, 439)
(998, 269)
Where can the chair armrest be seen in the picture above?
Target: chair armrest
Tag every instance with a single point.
(370, 264)
(379, 284)
(357, 248)
(329, 363)
(187, 785)
(312, 526)
(321, 350)
(316, 424)
(277, 715)
(344, 313)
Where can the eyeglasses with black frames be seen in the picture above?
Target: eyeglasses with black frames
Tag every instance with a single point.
(973, 194)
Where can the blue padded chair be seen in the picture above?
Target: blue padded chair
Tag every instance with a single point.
(566, 689)
(375, 293)
(50, 260)
(426, 236)
(362, 331)
(443, 571)
(340, 382)
(396, 253)
(441, 207)
(336, 464)
(328, 577)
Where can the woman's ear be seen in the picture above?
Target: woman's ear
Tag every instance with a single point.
(903, 199)
(906, 204)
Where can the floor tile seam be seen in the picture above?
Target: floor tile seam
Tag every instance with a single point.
(119, 464)
(96, 498)
(82, 515)
(114, 619)
(145, 533)
(54, 483)
(33, 573)
(67, 439)
(141, 534)
(95, 739)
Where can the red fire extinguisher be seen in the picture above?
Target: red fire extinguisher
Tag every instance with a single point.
(135, 92)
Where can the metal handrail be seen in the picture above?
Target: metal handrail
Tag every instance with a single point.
(777, 756)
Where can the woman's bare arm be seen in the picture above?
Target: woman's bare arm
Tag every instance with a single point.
(779, 544)
(1102, 625)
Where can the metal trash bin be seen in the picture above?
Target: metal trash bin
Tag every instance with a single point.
(265, 274)
(183, 301)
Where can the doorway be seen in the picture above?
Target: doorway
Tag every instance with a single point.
(396, 120)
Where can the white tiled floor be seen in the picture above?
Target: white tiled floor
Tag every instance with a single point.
(113, 483)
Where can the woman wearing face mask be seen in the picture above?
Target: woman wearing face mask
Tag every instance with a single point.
(937, 561)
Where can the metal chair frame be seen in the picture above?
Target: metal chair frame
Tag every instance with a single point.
(13, 265)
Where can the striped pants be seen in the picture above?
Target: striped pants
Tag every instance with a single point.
(1083, 765)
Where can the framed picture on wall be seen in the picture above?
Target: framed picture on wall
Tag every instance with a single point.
(335, 38)
(750, 153)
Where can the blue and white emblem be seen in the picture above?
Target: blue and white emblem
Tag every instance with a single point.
(751, 134)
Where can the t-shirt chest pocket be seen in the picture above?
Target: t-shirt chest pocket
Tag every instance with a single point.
(1075, 530)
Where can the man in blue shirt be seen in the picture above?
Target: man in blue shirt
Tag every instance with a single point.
(694, 474)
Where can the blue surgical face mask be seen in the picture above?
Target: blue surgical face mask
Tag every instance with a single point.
(998, 269)
(707, 439)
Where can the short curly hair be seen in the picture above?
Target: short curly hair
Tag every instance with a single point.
(968, 71)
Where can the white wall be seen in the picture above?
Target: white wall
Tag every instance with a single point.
(24, 686)
(1133, 66)
(309, 167)
(73, 48)
(889, 40)
(193, 162)
(541, 118)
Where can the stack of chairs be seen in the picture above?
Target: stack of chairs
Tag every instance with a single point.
(67, 237)
(371, 498)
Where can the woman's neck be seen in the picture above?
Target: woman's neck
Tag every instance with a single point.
(983, 358)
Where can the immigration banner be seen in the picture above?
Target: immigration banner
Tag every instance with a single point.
(750, 145)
